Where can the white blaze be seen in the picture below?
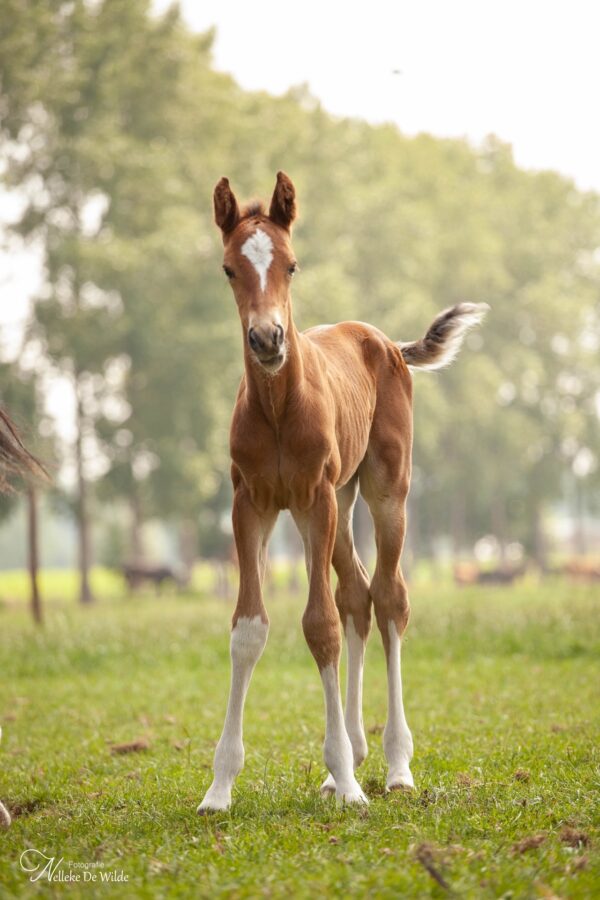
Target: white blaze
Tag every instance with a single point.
(354, 721)
(259, 250)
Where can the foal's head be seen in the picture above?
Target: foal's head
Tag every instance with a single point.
(259, 263)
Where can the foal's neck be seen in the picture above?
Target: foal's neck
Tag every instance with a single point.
(273, 391)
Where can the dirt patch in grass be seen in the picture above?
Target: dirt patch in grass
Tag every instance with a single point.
(25, 807)
(138, 746)
(573, 837)
(531, 842)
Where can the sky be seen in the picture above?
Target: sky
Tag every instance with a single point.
(525, 70)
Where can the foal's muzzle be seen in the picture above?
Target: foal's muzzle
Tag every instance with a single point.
(267, 342)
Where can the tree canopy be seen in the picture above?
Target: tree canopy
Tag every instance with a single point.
(114, 128)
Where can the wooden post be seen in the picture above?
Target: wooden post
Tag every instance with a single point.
(83, 525)
(33, 560)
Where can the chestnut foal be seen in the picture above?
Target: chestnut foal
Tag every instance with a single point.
(319, 414)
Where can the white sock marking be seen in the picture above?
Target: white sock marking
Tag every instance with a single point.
(355, 646)
(248, 640)
(259, 250)
(397, 739)
(354, 687)
(337, 748)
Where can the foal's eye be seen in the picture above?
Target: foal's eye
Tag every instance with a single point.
(292, 268)
(229, 272)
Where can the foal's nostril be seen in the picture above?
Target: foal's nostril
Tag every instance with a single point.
(254, 340)
(265, 339)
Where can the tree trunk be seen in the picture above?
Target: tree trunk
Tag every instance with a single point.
(83, 525)
(579, 535)
(188, 544)
(457, 524)
(498, 518)
(363, 532)
(293, 577)
(540, 549)
(413, 528)
(136, 551)
(295, 551)
(32, 538)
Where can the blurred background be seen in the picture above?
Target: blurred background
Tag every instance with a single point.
(441, 154)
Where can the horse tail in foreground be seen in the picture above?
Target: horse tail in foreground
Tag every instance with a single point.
(445, 335)
(4, 814)
(15, 458)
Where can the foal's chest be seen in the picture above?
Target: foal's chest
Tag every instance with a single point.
(282, 468)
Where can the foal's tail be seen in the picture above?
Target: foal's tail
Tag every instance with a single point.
(444, 337)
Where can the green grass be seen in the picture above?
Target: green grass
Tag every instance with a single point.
(57, 584)
(62, 585)
(502, 695)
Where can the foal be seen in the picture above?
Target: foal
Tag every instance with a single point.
(318, 415)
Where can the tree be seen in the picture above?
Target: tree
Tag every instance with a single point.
(19, 469)
(103, 89)
(115, 128)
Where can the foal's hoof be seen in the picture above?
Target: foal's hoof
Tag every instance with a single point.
(354, 795)
(328, 787)
(400, 781)
(214, 802)
(206, 809)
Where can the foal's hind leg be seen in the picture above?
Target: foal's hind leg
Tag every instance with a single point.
(384, 484)
(354, 605)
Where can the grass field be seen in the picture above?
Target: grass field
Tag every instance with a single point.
(502, 693)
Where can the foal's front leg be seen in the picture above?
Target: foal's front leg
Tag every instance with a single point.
(321, 625)
(248, 638)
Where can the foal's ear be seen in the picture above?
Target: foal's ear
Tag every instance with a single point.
(283, 204)
(227, 211)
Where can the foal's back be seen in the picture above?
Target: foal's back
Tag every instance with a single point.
(365, 373)
(350, 347)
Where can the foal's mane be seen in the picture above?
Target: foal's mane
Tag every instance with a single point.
(252, 209)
